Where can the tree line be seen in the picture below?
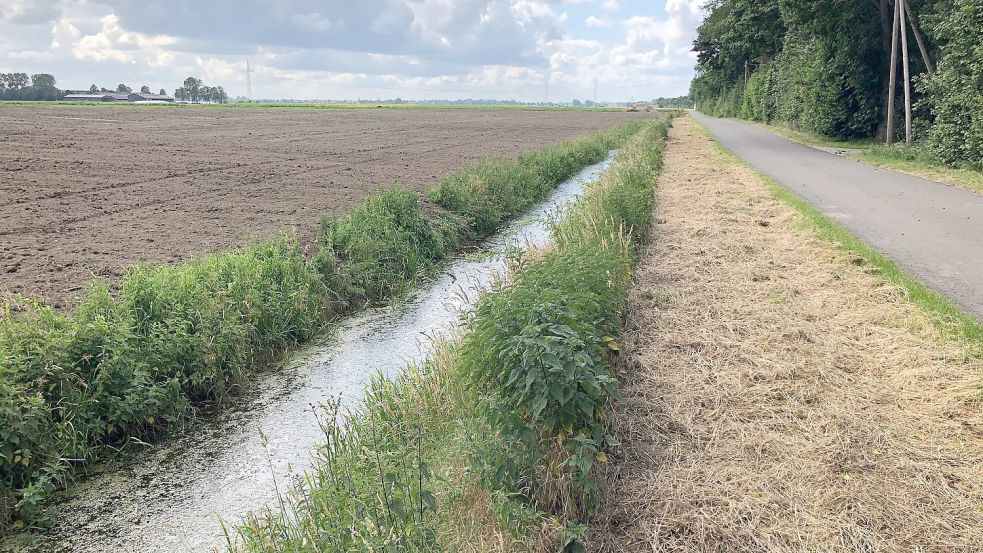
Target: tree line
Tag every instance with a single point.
(823, 66)
(20, 86)
(196, 91)
(43, 87)
(677, 102)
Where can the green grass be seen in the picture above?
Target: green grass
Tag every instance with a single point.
(119, 368)
(491, 443)
(916, 161)
(128, 366)
(900, 157)
(488, 193)
(951, 319)
(380, 249)
(812, 139)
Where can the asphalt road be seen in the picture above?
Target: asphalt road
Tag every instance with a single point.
(932, 230)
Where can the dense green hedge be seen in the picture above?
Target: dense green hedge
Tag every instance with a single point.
(129, 365)
(522, 399)
(806, 88)
(953, 96)
(828, 73)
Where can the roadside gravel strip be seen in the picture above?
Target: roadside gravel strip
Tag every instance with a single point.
(779, 395)
(932, 230)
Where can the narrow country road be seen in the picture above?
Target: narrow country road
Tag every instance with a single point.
(932, 230)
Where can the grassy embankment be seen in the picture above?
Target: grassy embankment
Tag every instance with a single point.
(951, 319)
(913, 160)
(123, 368)
(918, 162)
(492, 443)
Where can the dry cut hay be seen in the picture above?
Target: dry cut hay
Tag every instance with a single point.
(779, 397)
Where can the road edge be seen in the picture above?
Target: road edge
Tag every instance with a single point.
(951, 319)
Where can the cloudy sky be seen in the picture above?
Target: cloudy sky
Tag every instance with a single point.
(305, 49)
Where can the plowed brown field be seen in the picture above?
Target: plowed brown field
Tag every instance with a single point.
(88, 191)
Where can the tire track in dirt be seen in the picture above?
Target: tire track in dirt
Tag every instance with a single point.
(62, 224)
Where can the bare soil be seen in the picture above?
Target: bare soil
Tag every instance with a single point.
(89, 191)
(779, 395)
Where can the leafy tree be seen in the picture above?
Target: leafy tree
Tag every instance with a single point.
(182, 94)
(193, 87)
(144, 89)
(16, 81)
(576, 103)
(123, 89)
(39, 80)
(819, 65)
(953, 95)
(20, 86)
(219, 95)
(162, 92)
(93, 89)
(678, 102)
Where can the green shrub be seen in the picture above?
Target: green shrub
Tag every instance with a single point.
(954, 94)
(381, 248)
(490, 192)
(541, 347)
(117, 368)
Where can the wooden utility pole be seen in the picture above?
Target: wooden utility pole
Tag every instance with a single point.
(894, 73)
(907, 73)
(918, 38)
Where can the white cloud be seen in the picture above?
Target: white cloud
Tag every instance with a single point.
(598, 22)
(113, 42)
(369, 48)
(28, 11)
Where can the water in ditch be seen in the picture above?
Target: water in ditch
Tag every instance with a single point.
(172, 497)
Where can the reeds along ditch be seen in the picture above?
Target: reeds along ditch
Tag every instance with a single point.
(492, 443)
(126, 364)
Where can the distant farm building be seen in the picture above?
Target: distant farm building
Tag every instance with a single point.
(141, 97)
(133, 97)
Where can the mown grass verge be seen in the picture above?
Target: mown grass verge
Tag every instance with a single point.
(121, 368)
(951, 319)
(918, 161)
(912, 159)
(491, 444)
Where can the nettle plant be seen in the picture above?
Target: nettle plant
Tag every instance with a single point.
(541, 349)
